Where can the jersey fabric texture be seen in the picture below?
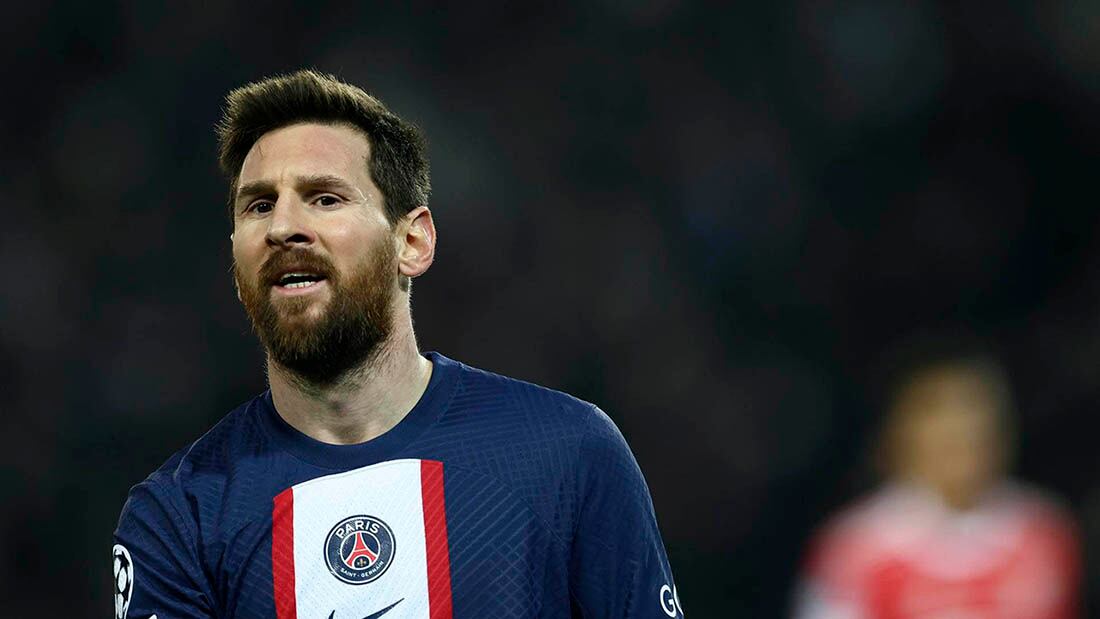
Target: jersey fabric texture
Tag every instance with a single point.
(902, 554)
(492, 498)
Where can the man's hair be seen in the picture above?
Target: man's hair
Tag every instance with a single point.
(398, 161)
(927, 351)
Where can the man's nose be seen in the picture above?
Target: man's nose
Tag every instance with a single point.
(288, 224)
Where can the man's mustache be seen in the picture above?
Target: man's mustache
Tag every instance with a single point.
(298, 260)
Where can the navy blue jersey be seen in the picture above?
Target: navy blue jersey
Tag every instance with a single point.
(492, 498)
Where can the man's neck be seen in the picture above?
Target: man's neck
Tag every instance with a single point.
(366, 404)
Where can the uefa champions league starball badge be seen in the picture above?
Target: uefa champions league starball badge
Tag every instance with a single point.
(359, 549)
(124, 581)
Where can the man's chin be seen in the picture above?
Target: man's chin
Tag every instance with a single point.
(299, 309)
(302, 326)
(294, 325)
(292, 342)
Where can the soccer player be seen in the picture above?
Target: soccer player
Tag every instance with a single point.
(948, 535)
(373, 480)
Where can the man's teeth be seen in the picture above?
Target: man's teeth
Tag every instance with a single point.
(299, 280)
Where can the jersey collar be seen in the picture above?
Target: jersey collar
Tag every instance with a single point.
(433, 402)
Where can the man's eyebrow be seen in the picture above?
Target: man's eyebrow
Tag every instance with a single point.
(255, 188)
(313, 181)
(322, 180)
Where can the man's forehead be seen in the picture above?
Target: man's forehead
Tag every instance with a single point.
(306, 149)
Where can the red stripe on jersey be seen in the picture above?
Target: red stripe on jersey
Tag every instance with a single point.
(435, 540)
(282, 554)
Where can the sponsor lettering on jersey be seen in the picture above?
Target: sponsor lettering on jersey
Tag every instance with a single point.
(670, 601)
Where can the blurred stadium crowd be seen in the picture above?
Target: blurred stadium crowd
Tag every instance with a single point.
(712, 219)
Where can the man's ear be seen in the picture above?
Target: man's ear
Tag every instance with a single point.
(416, 246)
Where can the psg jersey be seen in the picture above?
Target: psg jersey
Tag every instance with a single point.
(491, 498)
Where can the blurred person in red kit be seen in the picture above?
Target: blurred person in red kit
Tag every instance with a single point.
(947, 535)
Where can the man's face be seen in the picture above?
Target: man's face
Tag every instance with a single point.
(314, 257)
(951, 437)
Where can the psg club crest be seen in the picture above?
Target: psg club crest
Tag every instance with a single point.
(359, 549)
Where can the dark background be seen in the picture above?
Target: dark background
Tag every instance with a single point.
(713, 220)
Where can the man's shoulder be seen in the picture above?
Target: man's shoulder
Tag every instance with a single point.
(550, 447)
(196, 476)
(504, 400)
(527, 431)
(212, 454)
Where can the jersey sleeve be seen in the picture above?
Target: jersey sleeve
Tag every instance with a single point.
(156, 560)
(618, 564)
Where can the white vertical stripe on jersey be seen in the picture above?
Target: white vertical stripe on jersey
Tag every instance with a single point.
(389, 491)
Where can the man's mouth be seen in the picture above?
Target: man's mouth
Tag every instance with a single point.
(299, 279)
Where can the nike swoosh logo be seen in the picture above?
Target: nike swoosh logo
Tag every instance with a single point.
(374, 615)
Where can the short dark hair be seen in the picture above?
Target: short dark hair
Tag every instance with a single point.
(398, 156)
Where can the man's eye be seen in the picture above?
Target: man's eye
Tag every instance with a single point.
(328, 200)
(261, 207)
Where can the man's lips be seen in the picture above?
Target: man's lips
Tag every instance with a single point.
(300, 288)
(297, 280)
(295, 273)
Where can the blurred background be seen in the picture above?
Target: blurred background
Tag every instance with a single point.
(714, 221)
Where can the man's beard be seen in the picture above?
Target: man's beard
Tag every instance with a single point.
(351, 329)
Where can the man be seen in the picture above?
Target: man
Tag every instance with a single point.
(949, 535)
(370, 479)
